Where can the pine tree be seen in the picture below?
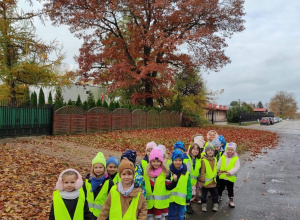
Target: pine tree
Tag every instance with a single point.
(41, 98)
(105, 104)
(78, 101)
(111, 106)
(50, 99)
(98, 103)
(91, 101)
(117, 105)
(33, 100)
(85, 105)
(58, 99)
(70, 102)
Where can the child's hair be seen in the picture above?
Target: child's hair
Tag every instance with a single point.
(60, 185)
(192, 147)
(163, 166)
(69, 173)
(129, 171)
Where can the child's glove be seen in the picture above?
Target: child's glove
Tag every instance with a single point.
(175, 177)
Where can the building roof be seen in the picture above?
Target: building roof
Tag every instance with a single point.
(260, 109)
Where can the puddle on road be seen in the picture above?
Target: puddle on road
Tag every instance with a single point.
(272, 191)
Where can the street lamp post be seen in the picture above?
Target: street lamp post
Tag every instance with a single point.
(240, 117)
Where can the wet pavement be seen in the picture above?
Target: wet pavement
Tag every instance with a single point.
(268, 185)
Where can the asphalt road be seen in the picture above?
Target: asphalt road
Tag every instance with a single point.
(267, 186)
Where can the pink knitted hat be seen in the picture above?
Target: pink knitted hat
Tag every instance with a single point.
(156, 153)
(60, 185)
(151, 144)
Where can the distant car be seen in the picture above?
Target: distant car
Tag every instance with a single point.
(265, 121)
(276, 120)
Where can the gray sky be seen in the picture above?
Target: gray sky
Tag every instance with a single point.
(265, 56)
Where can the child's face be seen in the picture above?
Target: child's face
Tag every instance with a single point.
(217, 148)
(112, 168)
(230, 151)
(195, 151)
(148, 151)
(69, 182)
(211, 135)
(127, 177)
(155, 164)
(177, 163)
(210, 153)
(98, 169)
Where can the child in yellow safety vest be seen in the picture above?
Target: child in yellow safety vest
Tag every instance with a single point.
(97, 185)
(125, 200)
(112, 164)
(208, 178)
(180, 146)
(227, 167)
(195, 160)
(157, 186)
(212, 134)
(68, 199)
(145, 160)
(181, 195)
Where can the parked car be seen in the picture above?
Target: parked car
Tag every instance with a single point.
(265, 121)
(271, 120)
(275, 120)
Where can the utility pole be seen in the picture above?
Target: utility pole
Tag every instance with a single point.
(240, 121)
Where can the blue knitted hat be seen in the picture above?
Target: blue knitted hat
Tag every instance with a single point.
(177, 154)
(112, 160)
(179, 145)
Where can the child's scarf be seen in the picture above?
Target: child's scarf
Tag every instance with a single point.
(181, 170)
(156, 172)
(69, 195)
(95, 182)
(122, 191)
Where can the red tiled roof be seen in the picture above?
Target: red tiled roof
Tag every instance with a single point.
(260, 109)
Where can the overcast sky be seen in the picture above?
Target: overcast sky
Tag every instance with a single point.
(265, 56)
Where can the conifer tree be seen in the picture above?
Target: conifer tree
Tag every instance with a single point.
(58, 99)
(50, 99)
(78, 101)
(33, 100)
(41, 98)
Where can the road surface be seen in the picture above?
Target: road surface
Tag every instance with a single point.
(267, 186)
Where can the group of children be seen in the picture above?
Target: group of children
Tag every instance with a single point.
(161, 186)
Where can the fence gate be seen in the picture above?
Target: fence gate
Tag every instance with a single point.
(25, 121)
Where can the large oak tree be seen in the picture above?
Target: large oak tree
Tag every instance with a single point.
(142, 44)
(24, 59)
(283, 104)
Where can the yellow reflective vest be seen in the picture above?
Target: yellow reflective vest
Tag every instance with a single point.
(60, 210)
(225, 168)
(144, 164)
(195, 172)
(160, 196)
(115, 211)
(210, 174)
(116, 179)
(95, 205)
(179, 193)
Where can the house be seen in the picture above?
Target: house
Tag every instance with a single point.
(216, 112)
(260, 110)
(72, 91)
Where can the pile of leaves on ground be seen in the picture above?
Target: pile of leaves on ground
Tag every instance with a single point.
(28, 175)
(27, 182)
(246, 139)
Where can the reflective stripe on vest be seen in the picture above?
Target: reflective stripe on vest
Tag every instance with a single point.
(179, 193)
(159, 198)
(210, 175)
(227, 168)
(95, 206)
(115, 211)
(195, 172)
(60, 210)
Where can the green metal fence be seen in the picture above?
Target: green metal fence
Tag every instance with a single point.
(24, 121)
